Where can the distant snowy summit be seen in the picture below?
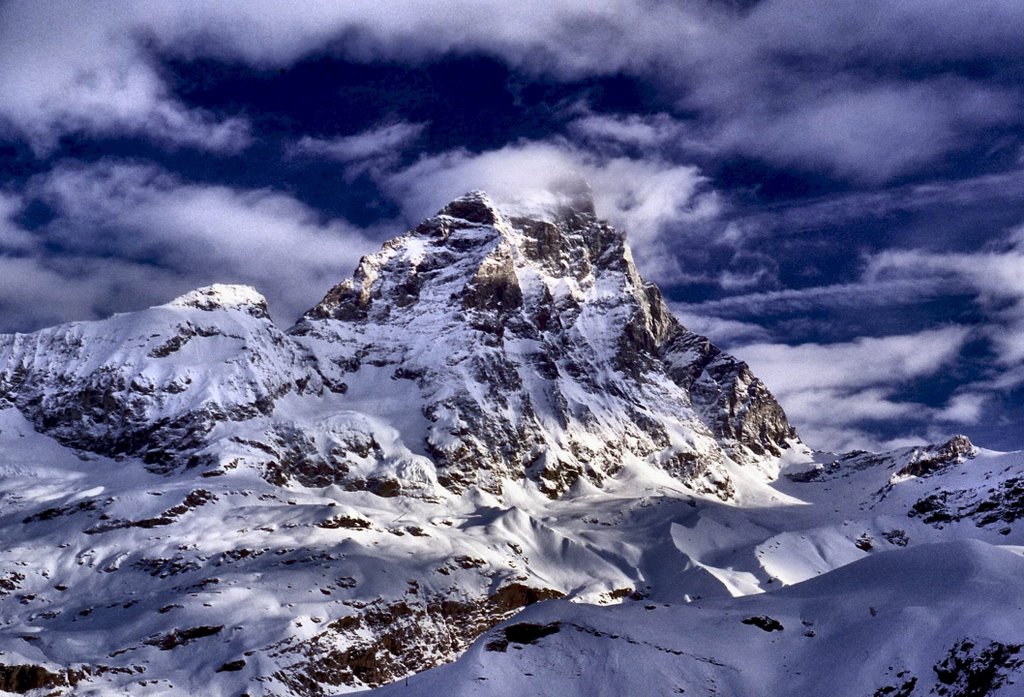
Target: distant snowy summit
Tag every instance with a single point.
(220, 296)
(509, 345)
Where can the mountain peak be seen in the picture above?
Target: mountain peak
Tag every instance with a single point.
(565, 198)
(223, 296)
(562, 200)
(541, 352)
(473, 206)
(484, 247)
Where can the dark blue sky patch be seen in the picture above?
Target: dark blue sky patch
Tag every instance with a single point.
(471, 102)
(35, 215)
(468, 101)
(998, 429)
(17, 162)
(753, 182)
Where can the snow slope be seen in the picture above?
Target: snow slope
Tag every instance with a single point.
(494, 411)
(942, 619)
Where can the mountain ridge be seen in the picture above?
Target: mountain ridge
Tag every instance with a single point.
(532, 311)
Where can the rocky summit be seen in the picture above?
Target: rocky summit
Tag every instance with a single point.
(537, 351)
(495, 410)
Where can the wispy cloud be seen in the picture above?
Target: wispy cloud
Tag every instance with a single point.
(995, 275)
(864, 293)
(725, 332)
(645, 197)
(793, 218)
(649, 133)
(128, 236)
(377, 148)
(830, 391)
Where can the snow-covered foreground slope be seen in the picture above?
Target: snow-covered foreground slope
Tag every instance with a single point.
(130, 581)
(939, 619)
(495, 411)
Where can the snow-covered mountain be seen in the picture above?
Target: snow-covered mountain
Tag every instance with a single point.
(474, 349)
(495, 410)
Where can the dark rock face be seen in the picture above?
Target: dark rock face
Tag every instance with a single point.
(976, 669)
(764, 623)
(20, 679)
(494, 288)
(472, 207)
(902, 689)
(404, 636)
(522, 633)
(998, 505)
(735, 404)
(935, 459)
(182, 637)
(232, 666)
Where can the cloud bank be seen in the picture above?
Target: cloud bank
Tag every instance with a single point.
(125, 236)
(790, 81)
(830, 391)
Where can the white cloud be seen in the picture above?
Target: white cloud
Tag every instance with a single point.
(829, 390)
(378, 146)
(554, 35)
(133, 236)
(869, 133)
(860, 363)
(77, 67)
(965, 407)
(38, 288)
(13, 239)
(748, 270)
(643, 197)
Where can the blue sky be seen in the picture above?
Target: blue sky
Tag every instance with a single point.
(832, 191)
